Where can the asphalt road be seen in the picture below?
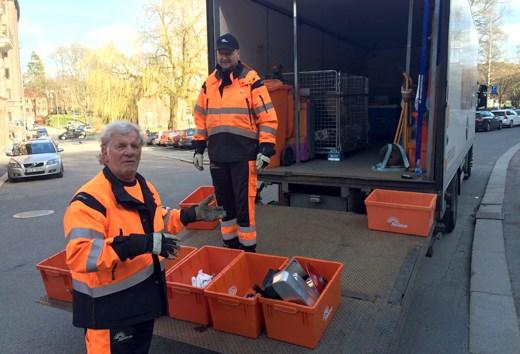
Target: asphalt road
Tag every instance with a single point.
(437, 319)
(438, 316)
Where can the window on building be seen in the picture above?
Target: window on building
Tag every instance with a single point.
(7, 73)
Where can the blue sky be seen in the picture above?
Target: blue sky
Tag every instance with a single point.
(45, 25)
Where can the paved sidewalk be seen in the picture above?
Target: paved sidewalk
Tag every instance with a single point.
(493, 326)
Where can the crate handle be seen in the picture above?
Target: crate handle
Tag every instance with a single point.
(285, 309)
(230, 302)
(180, 290)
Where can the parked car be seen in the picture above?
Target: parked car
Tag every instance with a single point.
(73, 134)
(486, 121)
(85, 127)
(37, 133)
(163, 138)
(34, 158)
(508, 116)
(168, 137)
(185, 138)
(150, 138)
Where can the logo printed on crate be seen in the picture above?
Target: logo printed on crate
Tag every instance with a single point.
(232, 290)
(327, 312)
(393, 221)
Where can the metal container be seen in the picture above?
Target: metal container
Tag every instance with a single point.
(292, 287)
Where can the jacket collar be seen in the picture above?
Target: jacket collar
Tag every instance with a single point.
(124, 198)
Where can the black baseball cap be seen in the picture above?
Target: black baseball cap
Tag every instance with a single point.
(228, 42)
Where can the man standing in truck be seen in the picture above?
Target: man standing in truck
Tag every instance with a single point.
(236, 121)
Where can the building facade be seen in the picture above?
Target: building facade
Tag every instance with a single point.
(12, 122)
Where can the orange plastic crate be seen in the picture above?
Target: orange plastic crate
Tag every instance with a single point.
(401, 212)
(56, 277)
(230, 310)
(300, 324)
(189, 303)
(182, 253)
(197, 196)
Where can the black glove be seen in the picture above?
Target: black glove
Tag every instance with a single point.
(266, 149)
(164, 244)
(128, 247)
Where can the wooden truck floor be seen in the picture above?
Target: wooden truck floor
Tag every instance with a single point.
(352, 170)
(379, 269)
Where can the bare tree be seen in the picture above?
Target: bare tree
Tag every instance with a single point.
(488, 18)
(177, 62)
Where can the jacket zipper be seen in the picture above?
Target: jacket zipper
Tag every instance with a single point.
(249, 112)
(265, 107)
(207, 104)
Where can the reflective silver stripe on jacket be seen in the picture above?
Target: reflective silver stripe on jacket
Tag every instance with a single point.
(266, 129)
(233, 130)
(93, 255)
(200, 110)
(81, 232)
(134, 279)
(261, 108)
(202, 132)
(228, 110)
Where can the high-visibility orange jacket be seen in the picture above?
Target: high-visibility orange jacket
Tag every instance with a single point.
(234, 114)
(108, 292)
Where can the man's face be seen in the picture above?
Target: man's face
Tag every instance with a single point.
(122, 155)
(228, 58)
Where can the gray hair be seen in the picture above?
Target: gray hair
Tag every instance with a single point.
(119, 127)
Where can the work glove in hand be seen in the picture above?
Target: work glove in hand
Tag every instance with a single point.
(165, 245)
(198, 161)
(206, 212)
(265, 151)
(261, 162)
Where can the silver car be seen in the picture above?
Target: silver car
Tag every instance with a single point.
(34, 158)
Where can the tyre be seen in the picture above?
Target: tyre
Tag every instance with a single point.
(499, 125)
(60, 175)
(511, 124)
(468, 164)
(451, 197)
(488, 126)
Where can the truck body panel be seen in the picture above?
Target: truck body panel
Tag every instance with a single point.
(369, 39)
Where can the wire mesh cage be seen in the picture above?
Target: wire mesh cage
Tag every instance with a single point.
(340, 107)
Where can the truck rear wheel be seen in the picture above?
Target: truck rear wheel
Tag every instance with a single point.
(468, 164)
(451, 197)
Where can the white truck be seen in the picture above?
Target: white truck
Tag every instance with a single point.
(365, 39)
(376, 40)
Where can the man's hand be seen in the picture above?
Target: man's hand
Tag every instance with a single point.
(262, 162)
(206, 212)
(198, 160)
(165, 245)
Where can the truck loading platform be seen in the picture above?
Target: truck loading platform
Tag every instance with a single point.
(378, 273)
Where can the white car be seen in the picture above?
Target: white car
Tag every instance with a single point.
(38, 157)
(508, 116)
